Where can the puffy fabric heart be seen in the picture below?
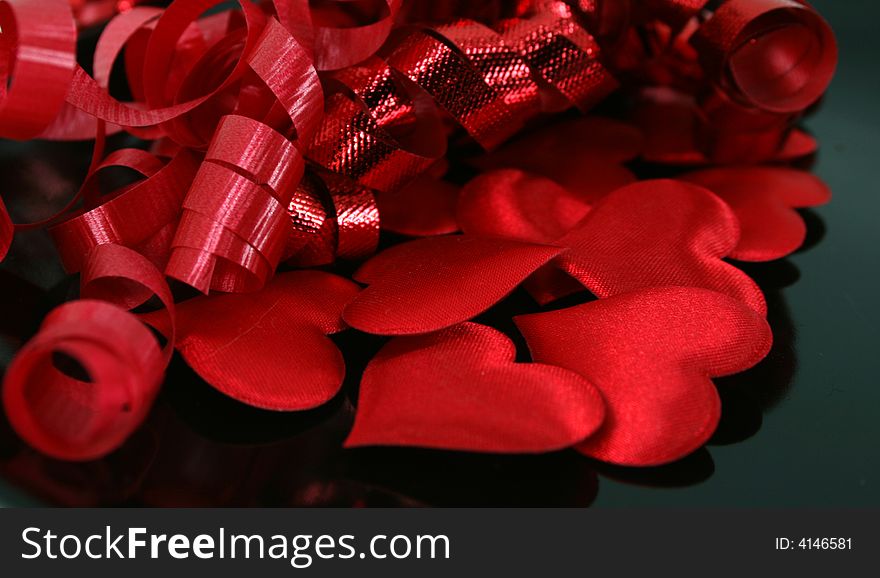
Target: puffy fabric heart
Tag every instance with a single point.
(651, 353)
(269, 349)
(460, 389)
(658, 233)
(434, 283)
(515, 204)
(764, 199)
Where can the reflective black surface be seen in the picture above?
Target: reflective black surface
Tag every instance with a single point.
(800, 429)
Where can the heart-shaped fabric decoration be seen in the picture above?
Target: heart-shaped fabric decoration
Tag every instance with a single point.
(269, 349)
(658, 233)
(459, 389)
(651, 353)
(515, 204)
(764, 199)
(430, 284)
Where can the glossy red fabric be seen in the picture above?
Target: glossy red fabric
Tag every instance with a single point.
(460, 389)
(434, 283)
(651, 353)
(269, 349)
(656, 233)
(764, 199)
(514, 204)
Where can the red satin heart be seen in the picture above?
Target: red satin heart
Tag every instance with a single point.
(514, 204)
(798, 145)
(657, 233)
(434, 283)
(460, 389)
(269, 349)
(763, 199)
(651, 353)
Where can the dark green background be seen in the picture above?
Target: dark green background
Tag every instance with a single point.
(802, 429)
